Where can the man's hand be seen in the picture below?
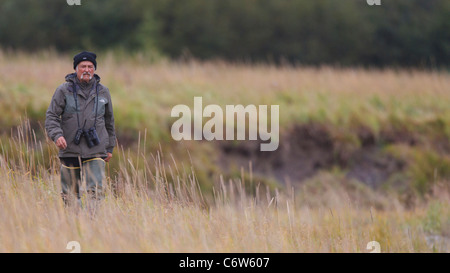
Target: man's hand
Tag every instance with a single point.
(108, 157)
(61, 143)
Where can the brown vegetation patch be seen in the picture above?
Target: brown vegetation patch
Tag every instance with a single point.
(304, 150)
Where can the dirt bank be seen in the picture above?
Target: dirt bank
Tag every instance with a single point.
(306, 149)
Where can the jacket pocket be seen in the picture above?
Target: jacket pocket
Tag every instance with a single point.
(101, 104)
(70, 108)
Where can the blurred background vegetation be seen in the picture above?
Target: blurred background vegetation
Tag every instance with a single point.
(313, 32)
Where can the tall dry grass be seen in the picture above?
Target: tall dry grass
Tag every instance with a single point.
(159, 208)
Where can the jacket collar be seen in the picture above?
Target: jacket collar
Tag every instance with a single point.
(72, 78)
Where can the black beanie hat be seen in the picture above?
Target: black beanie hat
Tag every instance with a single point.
(84, 56)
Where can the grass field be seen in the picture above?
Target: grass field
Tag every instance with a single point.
(161, 197)
(144, 213)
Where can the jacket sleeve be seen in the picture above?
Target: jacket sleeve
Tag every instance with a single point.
(53, 115)
(109, 124)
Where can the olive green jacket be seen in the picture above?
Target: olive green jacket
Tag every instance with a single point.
(61, 117)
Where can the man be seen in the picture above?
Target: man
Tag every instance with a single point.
(81, 123)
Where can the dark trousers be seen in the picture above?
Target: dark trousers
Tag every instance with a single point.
(94, 172)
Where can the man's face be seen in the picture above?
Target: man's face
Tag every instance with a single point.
(85, 71)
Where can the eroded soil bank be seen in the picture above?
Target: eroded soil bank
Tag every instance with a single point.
(372, 158)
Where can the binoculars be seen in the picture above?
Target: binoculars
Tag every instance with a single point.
(90, 135)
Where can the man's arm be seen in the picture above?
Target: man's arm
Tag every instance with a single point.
(110, 127)
(53, 116)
